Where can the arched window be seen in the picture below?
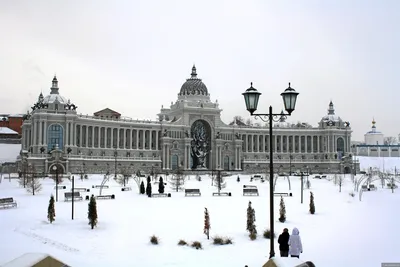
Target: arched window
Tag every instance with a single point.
(340, 145)
(55, 137)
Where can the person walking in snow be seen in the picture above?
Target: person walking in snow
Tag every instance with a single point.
(295, 245)
(283, 241)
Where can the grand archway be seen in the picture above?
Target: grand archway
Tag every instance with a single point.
(200, 146)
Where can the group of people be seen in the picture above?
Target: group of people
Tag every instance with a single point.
(290, 244)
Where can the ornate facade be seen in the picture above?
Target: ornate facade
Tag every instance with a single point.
(189, 134)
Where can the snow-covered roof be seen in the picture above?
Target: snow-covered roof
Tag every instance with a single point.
(6, 130)
(26, 260)
(283, 262)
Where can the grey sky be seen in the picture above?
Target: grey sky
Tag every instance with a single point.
(133, 56)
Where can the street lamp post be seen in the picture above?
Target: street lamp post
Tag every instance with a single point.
(290, 162)
(251, 97)
(73, 193)
(56, 170)
(115, 163)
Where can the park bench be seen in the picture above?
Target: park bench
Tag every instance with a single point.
(7, 203)
(126, 188)
(249, 186)
(282, 194)
(100, 186)
(68, 196)
(364, 188)
(105, 197)
(222, 194)
(323, 176)
(79, 189)
(372, 187)
(60, 187)
(390, 185)
(250, 192)
(317, 177)
(160, 195)
(192, 192)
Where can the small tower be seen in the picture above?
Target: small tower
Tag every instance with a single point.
(54, 86)
(331, 109)
(40, 98)
(194, 73)
(373, 128)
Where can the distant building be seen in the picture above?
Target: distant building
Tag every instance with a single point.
(188, 134)
(374, 145)
(12, 121)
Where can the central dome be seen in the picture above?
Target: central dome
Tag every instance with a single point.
(193, 86)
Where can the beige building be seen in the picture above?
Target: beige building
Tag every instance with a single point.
(189, 133)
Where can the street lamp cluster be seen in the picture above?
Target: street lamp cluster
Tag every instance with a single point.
(251, 97)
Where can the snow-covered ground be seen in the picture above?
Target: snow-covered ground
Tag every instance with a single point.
(9, 152)
(343, 232)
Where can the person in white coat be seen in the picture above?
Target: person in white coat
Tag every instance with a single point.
(295, 245)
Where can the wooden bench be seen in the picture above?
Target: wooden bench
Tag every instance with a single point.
(364, 188)
(126, 188)
(7, 203)
(250, 192)
(100, 186)
(281, 194)
(250, 186)
(192, 192)
(372, 187)
(60, 187)
(317, 177)
(160, 195)
(105, 197)
(323, 177)
(68, 196)
(222, 194)
(390, 185)
(81, 189)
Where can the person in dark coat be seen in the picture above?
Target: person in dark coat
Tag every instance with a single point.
(283, 241)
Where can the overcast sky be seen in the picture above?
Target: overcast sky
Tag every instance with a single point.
(133, 56)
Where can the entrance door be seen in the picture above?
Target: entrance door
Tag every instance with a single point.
(226, 163)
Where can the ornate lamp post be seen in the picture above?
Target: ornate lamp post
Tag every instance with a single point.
(56, 171)
(56, 153)
(251, 97)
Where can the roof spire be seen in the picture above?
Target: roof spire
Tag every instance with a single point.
(331, 109)
(194, 73)
(54, 85)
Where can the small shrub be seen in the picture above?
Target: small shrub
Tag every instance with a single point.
(154, 240)
(253, 236)
(217, 240)
(267, 234)
(228, 241)
(182, 243)
(352, 194)
(197, 245)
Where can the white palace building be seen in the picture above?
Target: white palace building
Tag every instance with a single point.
(189, 134)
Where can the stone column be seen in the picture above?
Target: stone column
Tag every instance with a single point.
(80, 136)
(111, 135)
(150, 140)
(92, 144)
(99, 136)
(87, 136)
(40, 133)
(118, 137)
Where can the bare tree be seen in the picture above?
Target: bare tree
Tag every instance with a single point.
(177, 180)
(33, 184)
(220, 182)
(138, 178)
(390, 140)
(123, 178)
(340, 180)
